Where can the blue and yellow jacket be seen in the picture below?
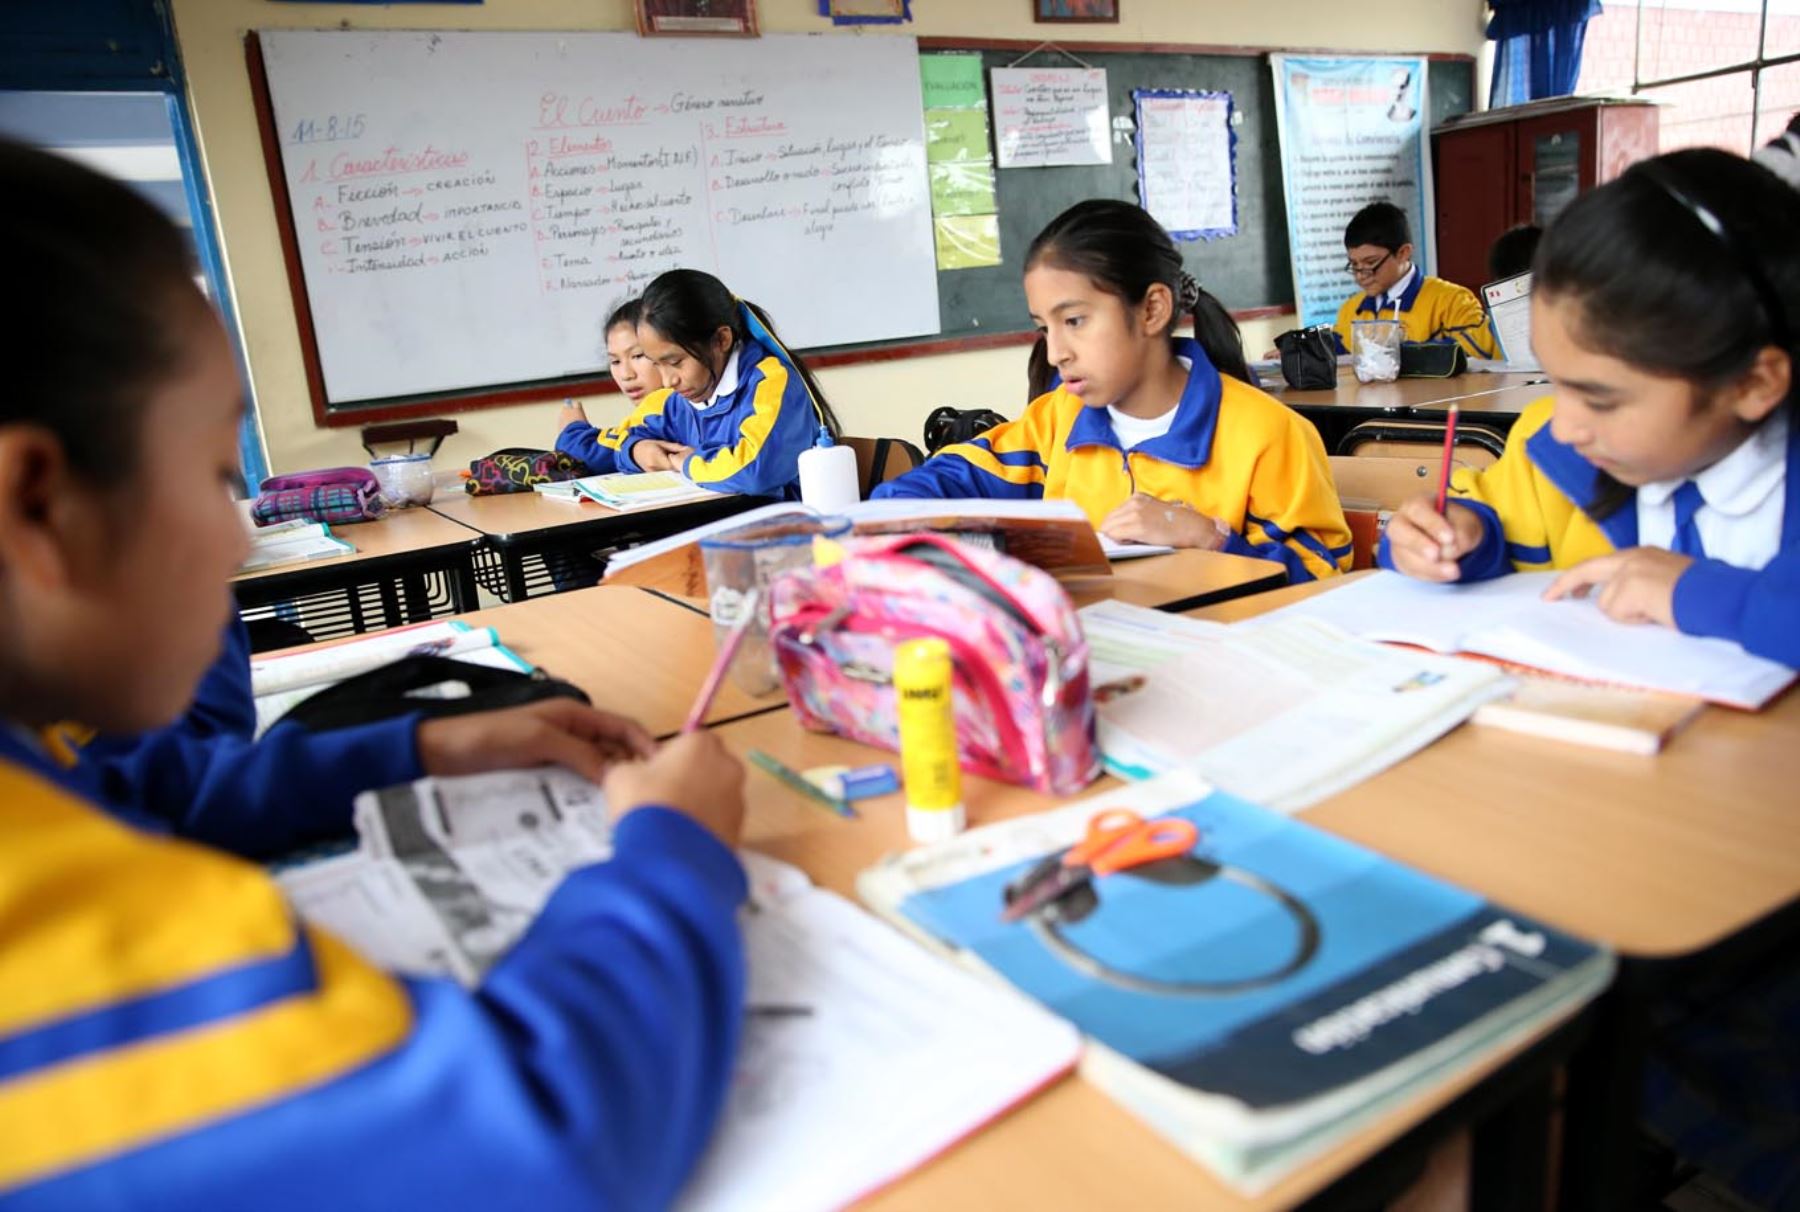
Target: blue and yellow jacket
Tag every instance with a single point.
(1431, 309)
(599, 448)
(751, 439)
(1233, 453)
(1527, 502)
(171, 1037)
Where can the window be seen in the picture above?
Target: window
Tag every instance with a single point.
(1727, 72)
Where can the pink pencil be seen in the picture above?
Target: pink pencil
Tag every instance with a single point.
(1443, 497)
(715, 677)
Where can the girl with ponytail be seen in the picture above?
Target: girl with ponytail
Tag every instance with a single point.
(1160, 438)
(743, 407)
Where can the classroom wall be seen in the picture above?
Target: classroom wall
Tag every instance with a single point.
(873, 398)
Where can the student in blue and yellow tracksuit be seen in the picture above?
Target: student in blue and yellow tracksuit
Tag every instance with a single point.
(1664, 473)
(744, 408)
(1140, 428)
(638, 379)
(170, 1036)
(1379, 245)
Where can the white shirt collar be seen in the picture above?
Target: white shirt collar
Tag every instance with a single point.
(1398, 289)
(728, 380)
(1740, 481)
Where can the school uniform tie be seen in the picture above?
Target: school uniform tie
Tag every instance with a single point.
(1687, 531)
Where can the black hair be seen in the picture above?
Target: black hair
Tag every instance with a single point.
(1122, 250)
(1379, 223)
(1511, 254)
(1655, 283)
(628, 312)
(90, 323)
(688, 306)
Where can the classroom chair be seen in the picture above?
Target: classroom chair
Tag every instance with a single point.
(1476, 445)
(881, 459)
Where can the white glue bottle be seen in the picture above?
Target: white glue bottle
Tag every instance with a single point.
(828, 475)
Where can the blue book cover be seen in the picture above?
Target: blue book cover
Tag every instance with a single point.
(1271, 964)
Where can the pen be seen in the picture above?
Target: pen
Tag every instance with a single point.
(778, 1011)
(715, 676)
(1443, 493)
(796, 781)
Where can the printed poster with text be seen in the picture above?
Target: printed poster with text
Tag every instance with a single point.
(1049, 116)
(1352, 131)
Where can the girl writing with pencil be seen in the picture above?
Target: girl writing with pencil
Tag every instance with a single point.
(1663, 473)
(639, 381)
(1159, 438)
(743, 409)
(173, 1037)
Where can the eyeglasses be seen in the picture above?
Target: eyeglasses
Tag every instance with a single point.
(1364, 271)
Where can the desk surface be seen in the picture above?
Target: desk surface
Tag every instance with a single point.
(517, 512)
(1405, 393)
(1658, 856)
(402, 532)
(634, 652)
(1187, 576)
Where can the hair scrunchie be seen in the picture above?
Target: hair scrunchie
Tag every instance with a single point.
(1188, 297)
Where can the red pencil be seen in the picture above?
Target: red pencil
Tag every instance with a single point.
(1443, 497)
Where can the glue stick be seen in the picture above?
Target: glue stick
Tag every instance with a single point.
(934, 808)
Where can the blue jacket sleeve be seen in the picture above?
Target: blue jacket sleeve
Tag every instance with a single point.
(1488, 560)
(661, 427)
(587, 1072)
(1760, 609)
(581, 440)
(950, 475)
(775, 425)
(257, 798)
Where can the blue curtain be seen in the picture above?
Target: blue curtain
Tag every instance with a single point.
(1538, 47)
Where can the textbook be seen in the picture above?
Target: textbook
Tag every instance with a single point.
(828, 1100)
(1630, 721)
(1506, 619)
(1283, 715)
(1054, 535)
(629, 492)
(1263, 996)
(279, 683)
(294, 542)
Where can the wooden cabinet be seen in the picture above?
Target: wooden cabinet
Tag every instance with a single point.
(1496, 169)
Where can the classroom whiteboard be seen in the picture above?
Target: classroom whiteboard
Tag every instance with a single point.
(468, 205)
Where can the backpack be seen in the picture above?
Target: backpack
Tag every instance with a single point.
(336, 495)
(1023, 711)
(517, 468)
(947, 426)
(1308, 358)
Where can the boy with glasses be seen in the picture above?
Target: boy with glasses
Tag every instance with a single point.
(1378, 242)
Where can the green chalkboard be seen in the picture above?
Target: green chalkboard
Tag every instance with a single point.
(1248, 270)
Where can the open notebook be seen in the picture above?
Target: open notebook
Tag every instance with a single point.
(1283, 715)
(899, 1058)
(1508, 620)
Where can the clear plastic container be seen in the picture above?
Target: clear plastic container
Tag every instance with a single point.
(1375, 349)
(404, 479)
(751, 557)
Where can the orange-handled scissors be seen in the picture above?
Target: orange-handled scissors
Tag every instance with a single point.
(1118, 839)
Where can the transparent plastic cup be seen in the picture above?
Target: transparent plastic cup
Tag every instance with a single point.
(404, 479)
(1375, 349)
(738, 561)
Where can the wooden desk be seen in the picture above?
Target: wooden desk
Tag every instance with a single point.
(1685, 862)
(1070, 1147)
(532, 545)
(634, 651)
(415, 562)
(1180, 580)
(1656, 856)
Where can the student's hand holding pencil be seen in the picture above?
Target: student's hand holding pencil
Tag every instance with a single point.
(695, 775)
(554, 732)
(1427, 544)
